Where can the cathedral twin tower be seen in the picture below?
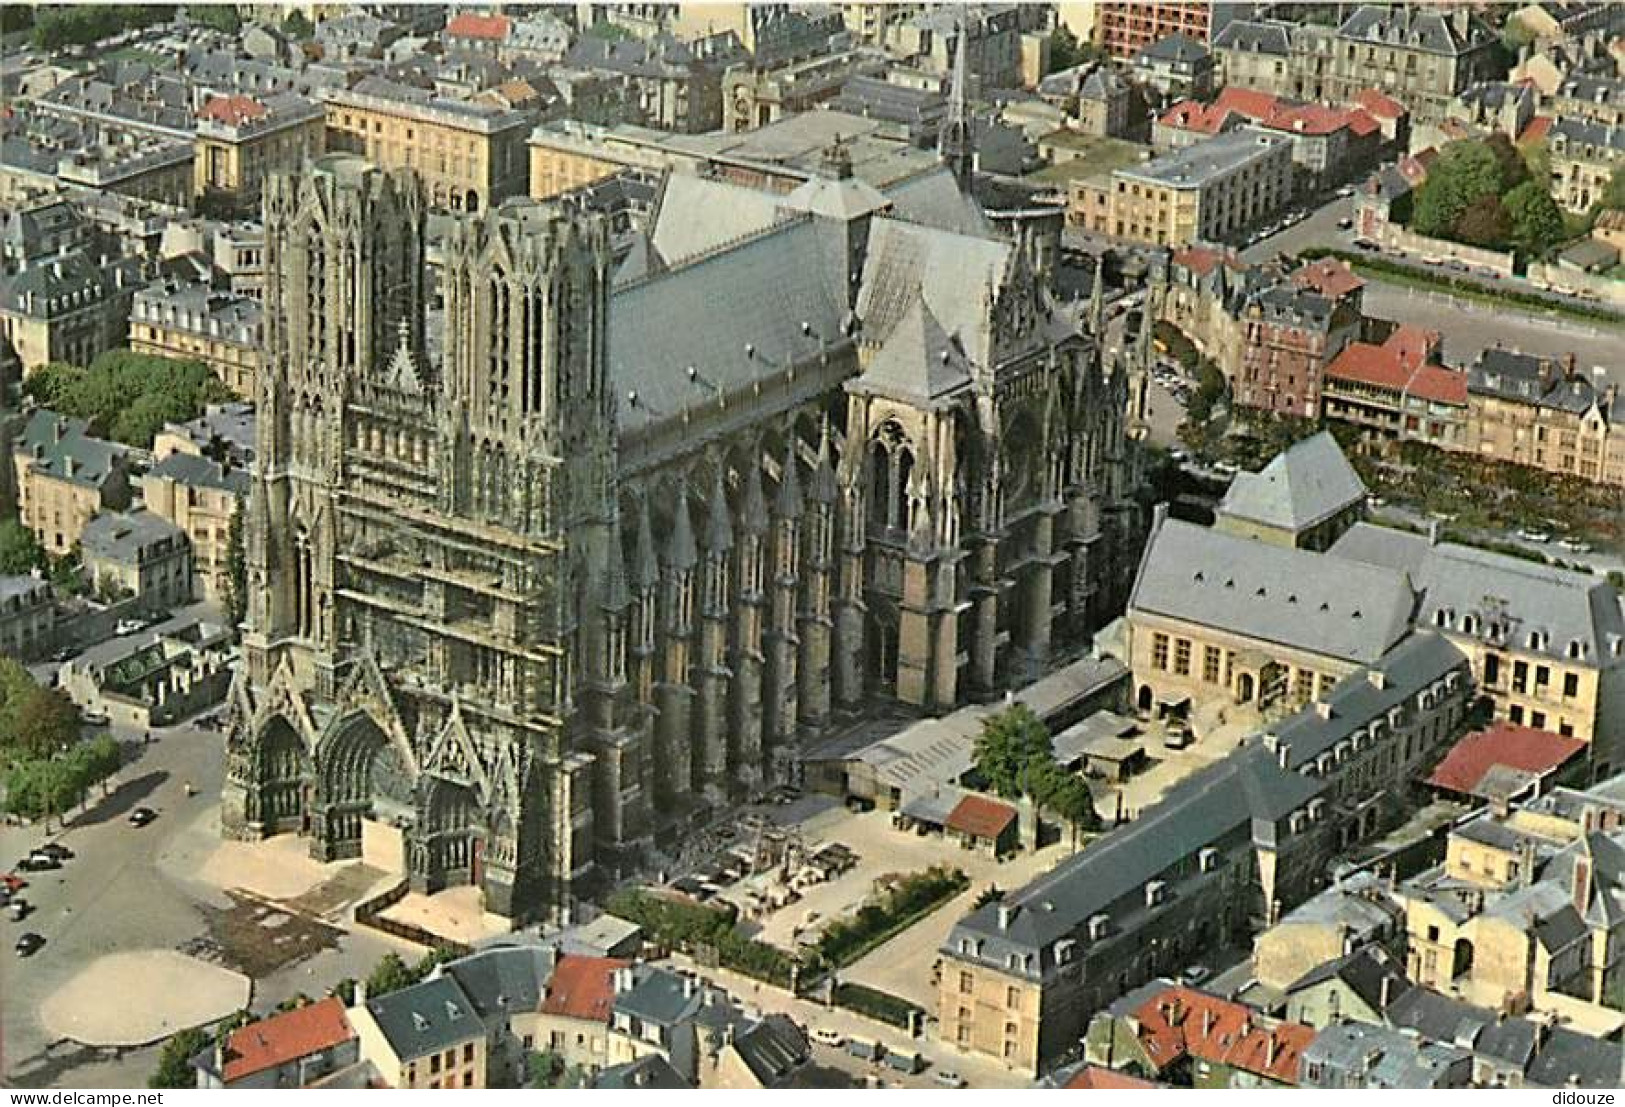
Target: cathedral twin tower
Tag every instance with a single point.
(493, 638)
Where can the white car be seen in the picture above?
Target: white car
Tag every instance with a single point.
(1195, 975)
(1538, 536)
(823, 1035)
(1574, 545)
(948, 1078)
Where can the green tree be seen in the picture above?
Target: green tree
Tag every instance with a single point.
(128, 396)
(389, 975)
(46, 721)
(1066, 50)
(1463, 172)
(236, 568)
(174, 1060)
(1010, 741)
(1613, 196)
(1537, 221)
(222, 17)
(1485, 222)
(20, 551)
(297, 26)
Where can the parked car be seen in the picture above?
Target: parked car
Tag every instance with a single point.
(19, 909)
(94, 718)
(141, 816)
(1345, 224)
(56, 850)
(1574, 545)
(128, 626)
(1195, 975)
(1539, 536)
(38, 863)
(28, 944)
(13, 882)
(823, 1035)
(948, 1078)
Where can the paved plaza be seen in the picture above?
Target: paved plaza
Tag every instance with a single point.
(177, 992)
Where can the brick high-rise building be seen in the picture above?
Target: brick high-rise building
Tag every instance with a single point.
(1125, 27)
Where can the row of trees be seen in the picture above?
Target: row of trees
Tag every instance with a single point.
(1016, 756)
(41, 787)
(34, 721)
(1484, 192)
(127, 396)
(82, 24)
(847, 939)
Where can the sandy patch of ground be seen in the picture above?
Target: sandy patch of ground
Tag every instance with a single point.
(455, 914)
(276, 868)
(133, 998)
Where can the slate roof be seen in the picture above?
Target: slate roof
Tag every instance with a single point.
(955, 275)
(1180, 49)
(1302, 486)
(1376, 1057)
(279, 1039)
(694, 215)
(1474, 591)
(1416, 663)
(735, 315)
(660, 997)
(1272, 593)
(1255, 37)
(1194, 166)
(933, 198)
(1569, 1057)
(773, 1048)
(426, 1018)
(1213, 803)
(1419, 28)
(1510, 1041)
(917, 363)
(124, 536)
(200, 472)
(503, 979)
(1363, 972)
(60, 444)
(652, 1071)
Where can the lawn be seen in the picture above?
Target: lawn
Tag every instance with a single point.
(1091, 156)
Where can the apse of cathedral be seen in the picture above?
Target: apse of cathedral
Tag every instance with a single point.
(533, 596)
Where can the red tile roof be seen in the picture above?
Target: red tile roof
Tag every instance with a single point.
(287, 1037)
(1362, 123)
(1251, 102)
(493, 28)
(1402, 364)
(1503, 744)
(1202, 260)
(1379, 105)
(1535, 129)
(233, 109)
(981, 817)
(1209, 119)
(1177, 1022)
(582, 987)
(1096, 1078)
(1329, 277)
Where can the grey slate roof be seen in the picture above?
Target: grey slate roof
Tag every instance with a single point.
(426, 1018)
(1443, 1019)
(1308, 483)
(652, 1071)
(1363, 972)
(1212, 804)
(1411, 666)
(504, 979)
(1255, 37)
(1476, 592)
(694, 215)
(1416, 27)
(661, 998)
(1272, 593)
(917, 363)
(1569, 1057)
(1194, 166)
(1369, 1056)
(956, 275)
(933, 199)
(124, 536)
(200, 472)
(62, 448)
(1177, 48)
(772, 1049)
(735, 315)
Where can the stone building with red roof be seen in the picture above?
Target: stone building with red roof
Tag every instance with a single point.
(1506, 762)
(983, 823)
(293, 1049)
(1398, 390)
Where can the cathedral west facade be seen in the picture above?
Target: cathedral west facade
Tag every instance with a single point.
(529, 599)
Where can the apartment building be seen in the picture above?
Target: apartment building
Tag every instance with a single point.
(241, 140)
(1423, 56)
(27, 617)
(68, 307)
(193, 321)
(1585, 154)
(1398, 390)
(1125, 27)
(424, 1036)
(1290, 332)
(1305, 498)
(468, 155)
(1547, 645)
(1545, 414)
(199, 496)
(1212, 193)
(65, 478)
(138, 555)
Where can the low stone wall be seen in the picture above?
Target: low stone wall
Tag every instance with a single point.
(1391, 236)
(1555, 278)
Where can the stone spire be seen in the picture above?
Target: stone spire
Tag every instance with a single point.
(645, 563)
(719, 529)
(955, 143)
(684, 554)
(617, 594)
(753, 506)
(787, 504)
(1097, 300)
(825, 489)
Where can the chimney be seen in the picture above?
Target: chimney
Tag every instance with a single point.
(1207, 1021)
(360, 994)
(1377, 677)
(1269, 1051)
(1283, 754)
(1384, 995)
(1323, 708)
(1007, 915)
(220, 1056)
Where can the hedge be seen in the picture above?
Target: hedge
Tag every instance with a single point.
(881, 1006)
(692, 928)
(915, 896)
